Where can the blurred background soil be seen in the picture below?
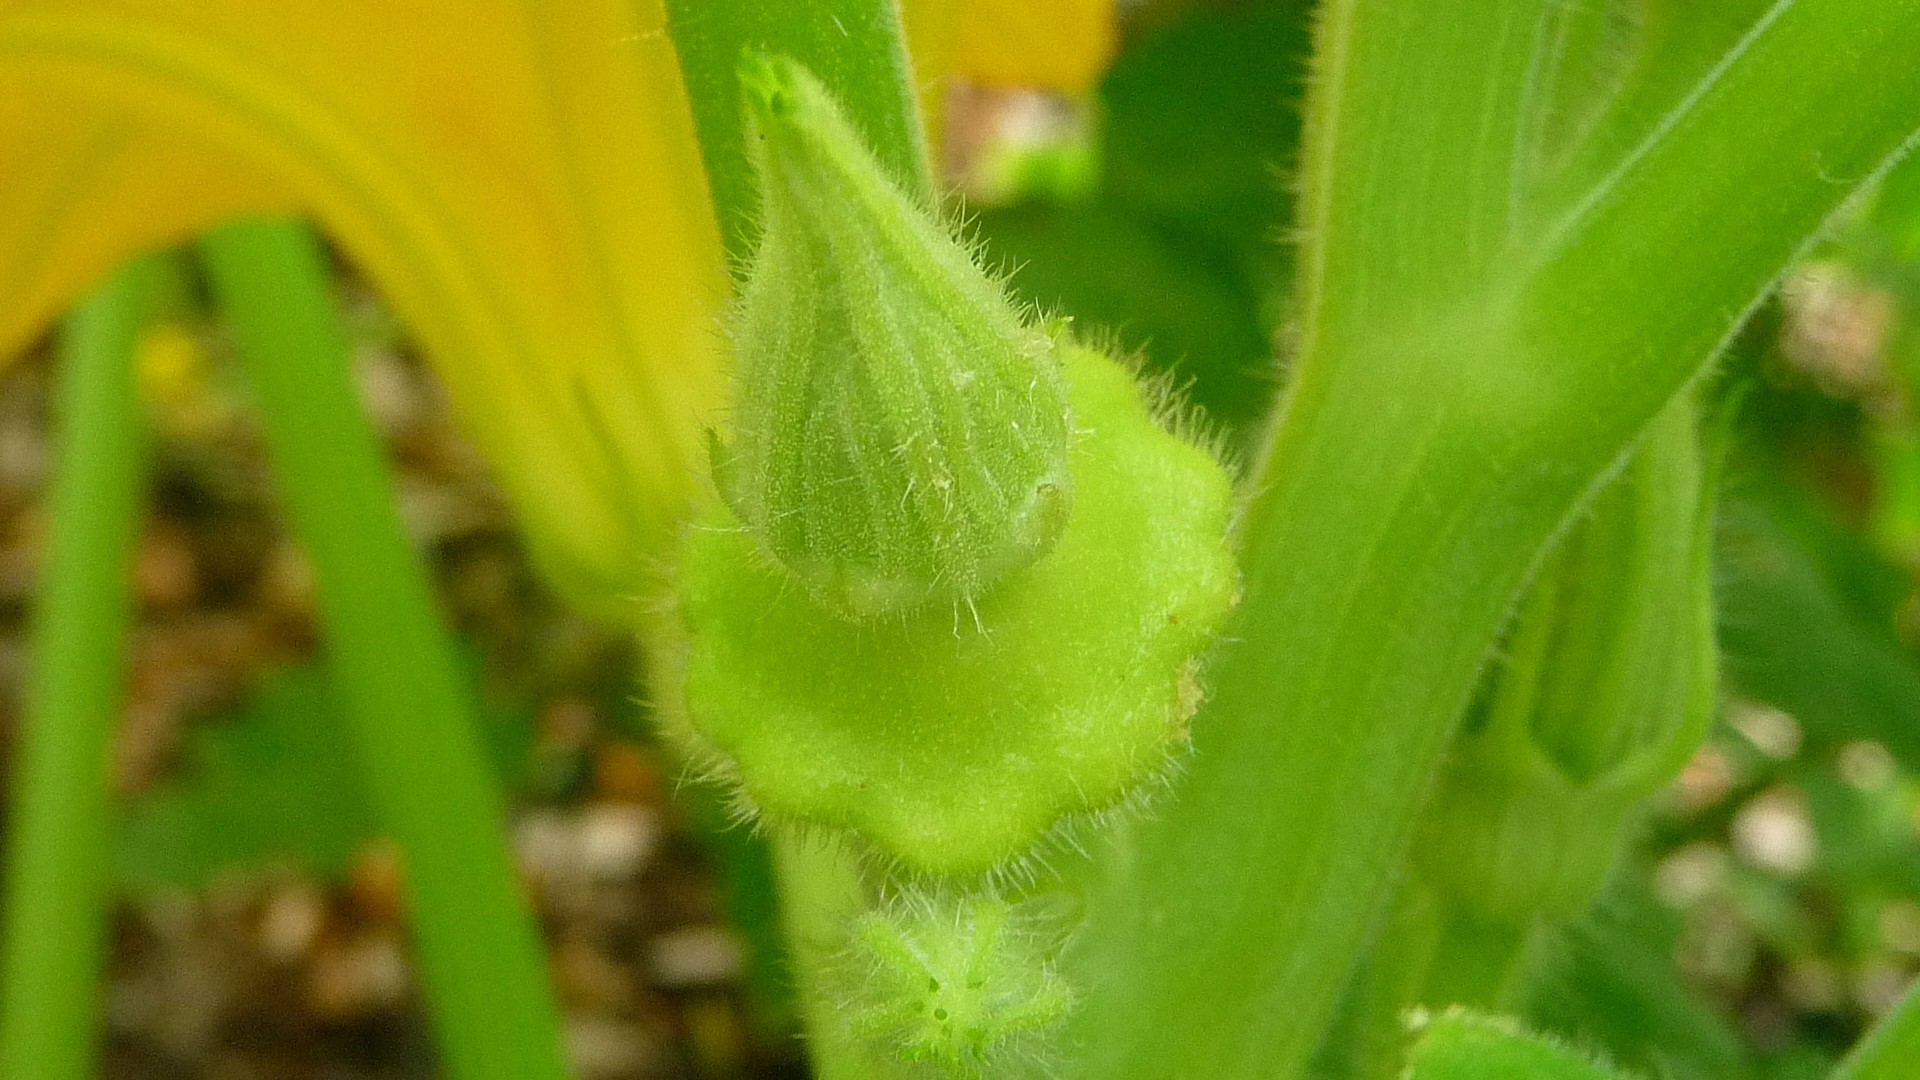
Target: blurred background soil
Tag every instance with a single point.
(260, 931)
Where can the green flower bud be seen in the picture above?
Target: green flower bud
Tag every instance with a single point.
(899, 433)
(1605, 690)
(959, 984)
(955, 743)
(902, 438)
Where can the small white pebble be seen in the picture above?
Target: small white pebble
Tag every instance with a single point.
(1772, 832)
(1866, 765)
(1772, 732)
(359, 977)
(289, 923)
(1690, 874)
(1899, 925)
(695, 956)
(605, 1047)
(1881, 986)
(616, 840)
(1813, 985)
(543, 840)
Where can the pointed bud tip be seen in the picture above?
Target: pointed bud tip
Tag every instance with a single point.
(900, 433)
(767, 83)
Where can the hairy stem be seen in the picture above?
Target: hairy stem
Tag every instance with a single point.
(820, 893)
(855, 48)
(1445, 419)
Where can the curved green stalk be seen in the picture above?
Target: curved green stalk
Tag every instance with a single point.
(820, 892)
(480, 959)
(1464, 384)
(57, 873)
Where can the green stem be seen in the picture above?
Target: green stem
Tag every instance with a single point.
(853, 46)
(480, 958)
(58, 868)
(1890, 1050)
(820, 892)
(1474, 411)
(1476, 963)
(1367, 1039)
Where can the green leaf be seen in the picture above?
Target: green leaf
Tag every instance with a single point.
(276, 784)
(1465, 1046)
(1181, 254)
(1609, 980)
(1805, 619)
(1197, 129)
(1184, 304)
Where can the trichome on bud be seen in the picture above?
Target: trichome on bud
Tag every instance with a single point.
(899, 432)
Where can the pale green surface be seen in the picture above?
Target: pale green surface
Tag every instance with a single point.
(1463, 1046)
(952, 981)
(480, 959)
(956, 744)
(58, 834)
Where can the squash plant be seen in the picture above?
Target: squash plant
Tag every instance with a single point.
(1084, 746)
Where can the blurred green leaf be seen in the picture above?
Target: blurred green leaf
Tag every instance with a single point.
(1466, 1046)
(1609, 980)
(1117, 273)
(1180, 254)
(1805, 614)
(1867, 845)
(1184, 144)
(274, 785)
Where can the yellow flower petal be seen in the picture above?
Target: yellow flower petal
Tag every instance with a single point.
(1058, 44)
(82, 185)
(519, 177)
